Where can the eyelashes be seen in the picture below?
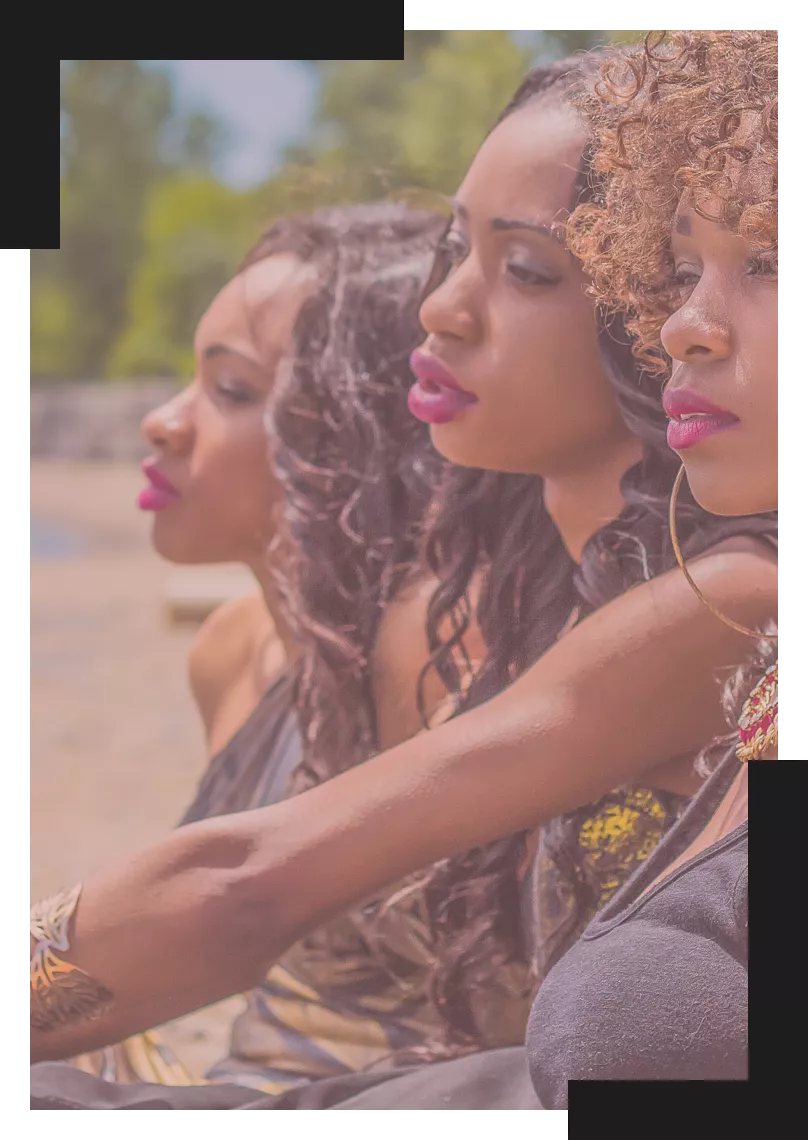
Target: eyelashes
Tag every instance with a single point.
(687, 277)
(528, 275)
(453, 249)
(236, 393)
(761, 267)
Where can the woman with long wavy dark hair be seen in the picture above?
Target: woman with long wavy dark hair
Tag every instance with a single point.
(502, 546)
(322, 317)
(617, 683)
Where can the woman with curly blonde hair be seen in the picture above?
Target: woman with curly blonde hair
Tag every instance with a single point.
(683, 236)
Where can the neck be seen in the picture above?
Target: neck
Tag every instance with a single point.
(582, 500)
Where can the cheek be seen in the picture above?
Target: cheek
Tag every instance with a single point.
(759, 355)
(770, 337)
(553, 356)
(234, 464)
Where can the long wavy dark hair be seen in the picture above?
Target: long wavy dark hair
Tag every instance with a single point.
(357, 470)
(493, 531)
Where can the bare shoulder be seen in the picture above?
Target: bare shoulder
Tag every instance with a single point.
(740, 572)
(399, 657)
(225, 647)
(738, 576)
(639, 682)
(757, 551)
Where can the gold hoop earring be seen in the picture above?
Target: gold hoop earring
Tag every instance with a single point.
(680, 559)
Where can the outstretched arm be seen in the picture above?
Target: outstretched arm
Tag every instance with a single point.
(201, 915)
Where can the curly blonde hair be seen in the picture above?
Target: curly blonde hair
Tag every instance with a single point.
(684, 111)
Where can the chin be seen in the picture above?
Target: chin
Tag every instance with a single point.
(173, 546)
(455, 445)
(731, 497)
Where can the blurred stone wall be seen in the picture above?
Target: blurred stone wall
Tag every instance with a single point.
(76, 420)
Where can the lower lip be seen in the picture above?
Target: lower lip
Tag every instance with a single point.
(156, 499)
(436, 405)
(687, 433)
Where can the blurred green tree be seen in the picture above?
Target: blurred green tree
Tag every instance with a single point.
(195, 233)
(464, 84)
(384, 126)
(116, 118)
(390, 126)
(114, 112)
(557, 45)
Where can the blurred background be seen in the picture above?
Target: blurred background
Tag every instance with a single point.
(169, 171)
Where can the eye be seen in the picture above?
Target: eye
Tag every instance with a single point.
(527, 273)
(761, 266)
(236, 391)
(686, 276)
(453, 247)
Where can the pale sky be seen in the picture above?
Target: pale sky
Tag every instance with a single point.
(267, 102)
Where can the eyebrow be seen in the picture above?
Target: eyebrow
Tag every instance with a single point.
(554, 231)
(219, 350)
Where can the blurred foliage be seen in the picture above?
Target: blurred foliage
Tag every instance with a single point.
(149, 234)
(469, 78)
(195, 232)
(116, 115)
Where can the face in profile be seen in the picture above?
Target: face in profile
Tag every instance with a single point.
(210, 482)
(721, 399)
(510, 377)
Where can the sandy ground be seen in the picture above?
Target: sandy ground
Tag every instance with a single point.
(116, 747)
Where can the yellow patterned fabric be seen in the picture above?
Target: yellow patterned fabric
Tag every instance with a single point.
(353, 994)
(141, 1058)
(608, 841)
(620, 836)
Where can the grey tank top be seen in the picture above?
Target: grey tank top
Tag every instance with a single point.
(656, 988)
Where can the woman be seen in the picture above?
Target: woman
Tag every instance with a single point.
(593, 712)
(323, 419)
(690, 126)
(356, 473)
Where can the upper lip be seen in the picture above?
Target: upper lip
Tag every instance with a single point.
(680, 402)
(428, 367)
(157, 478)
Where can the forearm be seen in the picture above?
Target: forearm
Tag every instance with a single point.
(200, 916)
(462, 785)
(564, 734)
(163, 935)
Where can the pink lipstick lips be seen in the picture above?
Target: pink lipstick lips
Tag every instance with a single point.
(693, 418)
(436, 398)
(160, 493)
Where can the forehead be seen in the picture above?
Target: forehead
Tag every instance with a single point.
(527, 166)
(273, 288)
(706, 235)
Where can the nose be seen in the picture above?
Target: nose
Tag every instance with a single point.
(170, 427)
(451, 309)
(696, 332)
